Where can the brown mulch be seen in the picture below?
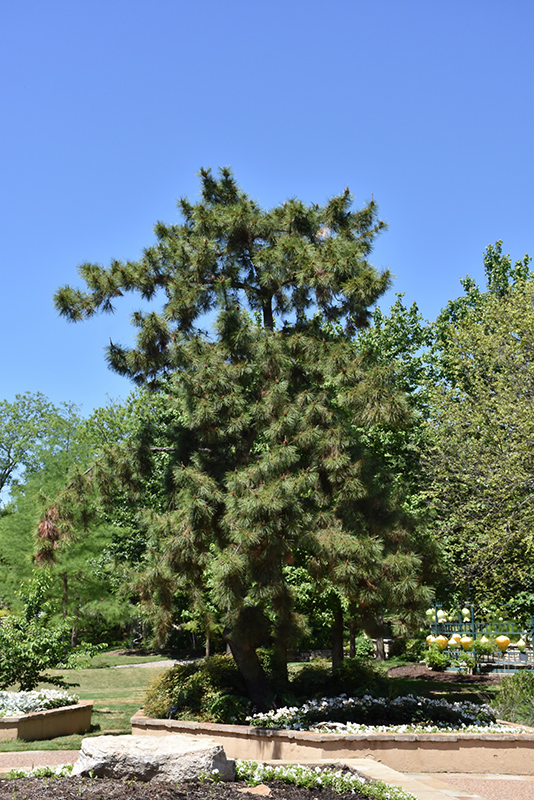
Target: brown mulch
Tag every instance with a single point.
(421, 672)
(111, 789)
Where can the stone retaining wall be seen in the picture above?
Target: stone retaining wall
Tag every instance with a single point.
(47, 724)
(509, 754)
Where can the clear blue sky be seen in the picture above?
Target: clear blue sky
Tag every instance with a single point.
(110, 107)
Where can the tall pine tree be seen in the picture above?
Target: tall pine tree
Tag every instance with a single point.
(268, 466)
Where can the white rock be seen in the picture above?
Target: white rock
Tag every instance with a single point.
(153, 758)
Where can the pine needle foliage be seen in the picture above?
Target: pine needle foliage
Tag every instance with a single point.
(268, 466)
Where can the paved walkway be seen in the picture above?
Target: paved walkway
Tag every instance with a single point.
(441, 786)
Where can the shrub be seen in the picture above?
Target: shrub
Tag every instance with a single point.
(484, 648)
(211, 690)
(409, 650)
(363, 648)
(354, 676)
(464, 662)
(515, 700)
(435, 659)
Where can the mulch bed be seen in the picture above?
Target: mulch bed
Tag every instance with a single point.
(110, 789)
(421, 672)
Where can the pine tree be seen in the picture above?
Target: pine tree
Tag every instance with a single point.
(267, 466)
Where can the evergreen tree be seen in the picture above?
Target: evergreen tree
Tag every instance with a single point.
(267, 463)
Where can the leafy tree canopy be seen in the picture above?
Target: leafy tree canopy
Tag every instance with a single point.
(31, 428)
(481, 434)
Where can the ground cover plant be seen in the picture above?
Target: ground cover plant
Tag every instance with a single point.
(368, 711)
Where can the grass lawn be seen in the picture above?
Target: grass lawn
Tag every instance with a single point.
(471, 692)
(117, 695)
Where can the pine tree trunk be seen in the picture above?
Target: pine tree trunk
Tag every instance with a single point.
(337, 639)
(380, 649)
(352, 638)
(251, 670)
(268, 319)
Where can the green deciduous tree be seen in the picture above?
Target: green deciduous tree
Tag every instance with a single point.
(31, 428)
(481, 434)
(35, 529)
(30, 643)
(268, 464)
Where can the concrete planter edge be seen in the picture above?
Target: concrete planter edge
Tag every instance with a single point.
(48, 724)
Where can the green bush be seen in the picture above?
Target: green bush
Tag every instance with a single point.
(211, 690)
(354, 676)
(484, 648)
(515, 700)
(363, 647)
(409, 650)
(464, 662)
(435, 659)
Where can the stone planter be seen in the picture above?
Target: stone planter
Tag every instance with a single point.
(47, 724)
(508, 753)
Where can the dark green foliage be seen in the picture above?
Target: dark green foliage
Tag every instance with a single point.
(515, 700)
(211, 690)
(436, 659)
(269, 459)
(354, 677)
(409, 650)
(363, 648)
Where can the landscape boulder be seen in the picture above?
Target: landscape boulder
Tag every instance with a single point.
(153, 758)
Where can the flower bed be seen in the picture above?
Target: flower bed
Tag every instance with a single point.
(14, 704)
(364, 713)
(339, 781)
(42, 715)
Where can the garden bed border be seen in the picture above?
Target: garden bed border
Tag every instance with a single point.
(508, 754)
(47, 724)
